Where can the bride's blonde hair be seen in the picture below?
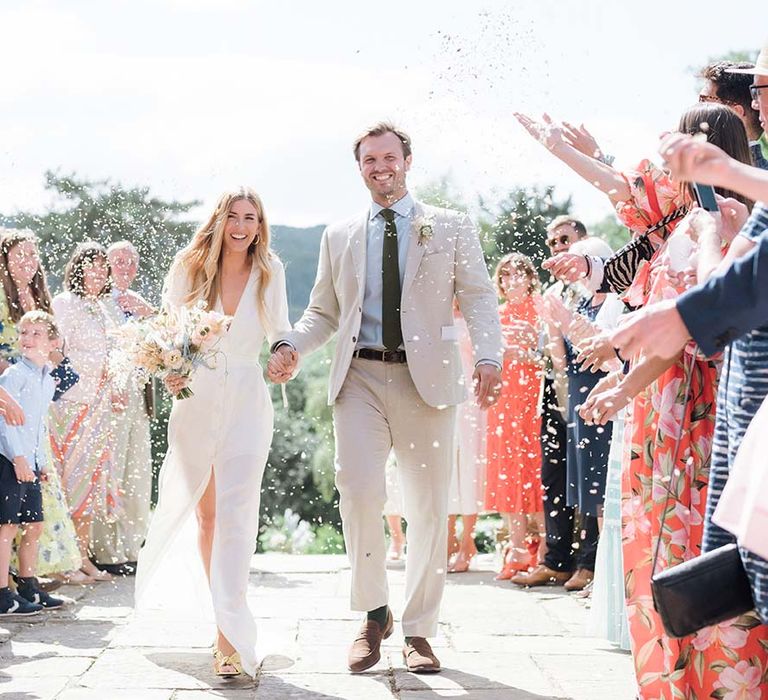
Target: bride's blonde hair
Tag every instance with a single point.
(200, 259)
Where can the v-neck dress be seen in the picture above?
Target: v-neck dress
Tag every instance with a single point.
(226, 426)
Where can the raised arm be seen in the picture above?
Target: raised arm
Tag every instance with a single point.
(609, 181)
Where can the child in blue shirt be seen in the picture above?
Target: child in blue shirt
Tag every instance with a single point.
(22, 449)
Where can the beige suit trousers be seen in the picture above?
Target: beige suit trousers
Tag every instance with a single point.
(120, 541)
(379, 408)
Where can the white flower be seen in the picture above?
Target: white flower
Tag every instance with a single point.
(425, 226)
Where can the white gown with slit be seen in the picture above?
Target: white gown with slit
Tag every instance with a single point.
(226, 426)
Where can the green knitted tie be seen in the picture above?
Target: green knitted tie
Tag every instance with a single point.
(392, 334)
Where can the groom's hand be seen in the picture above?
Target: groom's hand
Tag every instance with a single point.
(282, 364)
(487, 383)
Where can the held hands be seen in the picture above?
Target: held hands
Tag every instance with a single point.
(10, 409)
(567, 267)
(23, 470)
(487, 384)
(282, 364)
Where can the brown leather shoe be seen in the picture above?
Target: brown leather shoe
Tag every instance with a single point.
(366, 649)
(542, 576)
(579, 580)
(419, 657)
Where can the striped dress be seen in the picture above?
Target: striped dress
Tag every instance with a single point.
(743, 386)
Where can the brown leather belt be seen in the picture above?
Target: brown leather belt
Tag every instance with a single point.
(381, 355)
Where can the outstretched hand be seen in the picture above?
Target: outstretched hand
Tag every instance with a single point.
(545, 131)
(580, 138)
(595, 353)
(10, 409)
(282, 364)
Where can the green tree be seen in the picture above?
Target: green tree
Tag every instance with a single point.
(518, 223)
(105, 212)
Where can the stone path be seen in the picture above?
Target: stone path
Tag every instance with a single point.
(496, 642)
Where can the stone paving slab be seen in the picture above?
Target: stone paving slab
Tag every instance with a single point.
(495, 641)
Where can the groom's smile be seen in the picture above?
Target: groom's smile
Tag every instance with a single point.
(383, 165)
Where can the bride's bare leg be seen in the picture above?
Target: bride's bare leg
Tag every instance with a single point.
(206, 523)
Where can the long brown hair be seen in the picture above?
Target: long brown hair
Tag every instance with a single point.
(9, 238)
(521, 263)
(86, 252)
(723, 128)
(200, 259)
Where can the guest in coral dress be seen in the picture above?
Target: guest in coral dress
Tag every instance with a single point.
(513, 484)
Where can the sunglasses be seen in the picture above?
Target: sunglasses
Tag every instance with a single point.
(562, 240)
(754, 90)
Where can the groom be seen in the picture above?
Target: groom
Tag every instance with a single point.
(385, 284)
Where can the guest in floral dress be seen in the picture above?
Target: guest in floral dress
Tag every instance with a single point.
(24, 288)
(81, 422)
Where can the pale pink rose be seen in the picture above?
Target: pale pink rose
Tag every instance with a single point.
(742, 682)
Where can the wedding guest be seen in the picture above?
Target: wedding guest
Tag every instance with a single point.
(567, 551)
(588, 445)
(729, 83)
(116, 544)
(644, 198)
(22, 453)
(513, 481)
(465, 497)
(25, 289)
(81, 422)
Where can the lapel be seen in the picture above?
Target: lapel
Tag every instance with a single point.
(415, 251)
(358, 228)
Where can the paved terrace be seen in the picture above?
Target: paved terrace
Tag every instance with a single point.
(496, 643)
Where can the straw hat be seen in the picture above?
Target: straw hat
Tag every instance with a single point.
(761, 67)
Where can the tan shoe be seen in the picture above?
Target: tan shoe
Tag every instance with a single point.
(542, 576)
(366, 649)
(579, 580)
(419, 657)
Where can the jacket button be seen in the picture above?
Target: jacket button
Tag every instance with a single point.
(360, 309)
(354, 339)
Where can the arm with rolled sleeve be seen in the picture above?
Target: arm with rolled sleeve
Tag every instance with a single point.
(731, 304)
(476, 296)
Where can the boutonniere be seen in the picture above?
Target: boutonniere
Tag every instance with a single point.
(426, 229)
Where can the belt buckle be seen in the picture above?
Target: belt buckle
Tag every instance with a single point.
(386, 355)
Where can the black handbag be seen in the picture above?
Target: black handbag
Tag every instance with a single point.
(704, 591)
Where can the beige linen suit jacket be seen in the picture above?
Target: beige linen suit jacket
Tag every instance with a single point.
(438, 267)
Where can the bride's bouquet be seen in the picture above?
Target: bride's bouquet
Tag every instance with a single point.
(177, 341)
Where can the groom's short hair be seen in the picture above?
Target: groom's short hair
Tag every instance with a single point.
(377, 130)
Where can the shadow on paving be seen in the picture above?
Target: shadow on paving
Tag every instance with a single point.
(272, 580)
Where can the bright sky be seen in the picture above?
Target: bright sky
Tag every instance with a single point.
(190, 97)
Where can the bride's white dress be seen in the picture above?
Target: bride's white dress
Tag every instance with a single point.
(226, 426)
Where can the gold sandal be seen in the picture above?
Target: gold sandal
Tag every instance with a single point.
(226, 666)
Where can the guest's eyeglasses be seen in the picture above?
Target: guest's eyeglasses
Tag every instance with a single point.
(753, 90)
(562, 240)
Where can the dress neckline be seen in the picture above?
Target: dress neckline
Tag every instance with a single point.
(220, 306)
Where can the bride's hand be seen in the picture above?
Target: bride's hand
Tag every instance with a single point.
(174, 383)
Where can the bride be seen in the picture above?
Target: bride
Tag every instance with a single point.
(219, 438)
